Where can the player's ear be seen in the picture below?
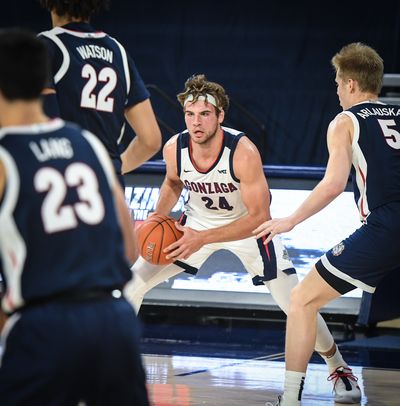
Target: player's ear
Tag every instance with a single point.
(221, 116)
(352, 85)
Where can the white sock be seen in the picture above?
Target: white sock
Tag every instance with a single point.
(334, 361)
(294, 384)
(145, 277)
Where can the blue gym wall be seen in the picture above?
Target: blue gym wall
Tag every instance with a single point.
(272, 57)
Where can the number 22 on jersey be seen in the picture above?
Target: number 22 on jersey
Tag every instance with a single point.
(101, 101)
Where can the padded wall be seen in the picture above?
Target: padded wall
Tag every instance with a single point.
(272, 57)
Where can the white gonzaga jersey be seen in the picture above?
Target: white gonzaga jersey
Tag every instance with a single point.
(214, 195)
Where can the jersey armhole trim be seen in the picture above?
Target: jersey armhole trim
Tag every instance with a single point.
(233, 146)
(3, 180)
(179, 154)
(126, 67)
(66, 58)
(102, 156)
(356, 127)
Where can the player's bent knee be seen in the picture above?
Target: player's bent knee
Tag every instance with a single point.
(301, 300)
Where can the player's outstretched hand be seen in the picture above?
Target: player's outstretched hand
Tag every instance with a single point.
(186, 245)
(271, 228)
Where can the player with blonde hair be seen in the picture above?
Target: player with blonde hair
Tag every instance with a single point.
(366, 135)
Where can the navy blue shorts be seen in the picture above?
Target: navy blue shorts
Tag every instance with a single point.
(367, 255)
(59, 354)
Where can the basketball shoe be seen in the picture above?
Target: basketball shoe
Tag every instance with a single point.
(278, 402)
(345, 387)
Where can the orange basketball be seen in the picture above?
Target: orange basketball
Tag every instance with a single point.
(155, 234)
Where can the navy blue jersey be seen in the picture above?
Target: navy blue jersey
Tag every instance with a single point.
(95, 80)
(376, 155)
(57, 196)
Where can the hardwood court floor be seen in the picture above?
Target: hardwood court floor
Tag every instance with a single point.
(176, 380)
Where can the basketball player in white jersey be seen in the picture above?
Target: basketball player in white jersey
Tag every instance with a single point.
(228, 198)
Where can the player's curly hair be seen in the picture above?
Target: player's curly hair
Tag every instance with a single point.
(82, 9)
(198, 85)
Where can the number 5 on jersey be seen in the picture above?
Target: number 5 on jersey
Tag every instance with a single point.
(391, 135)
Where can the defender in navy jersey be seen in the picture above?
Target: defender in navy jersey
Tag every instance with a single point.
(364, 138)
(228, 197)
(66, 245)
(96, 84)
